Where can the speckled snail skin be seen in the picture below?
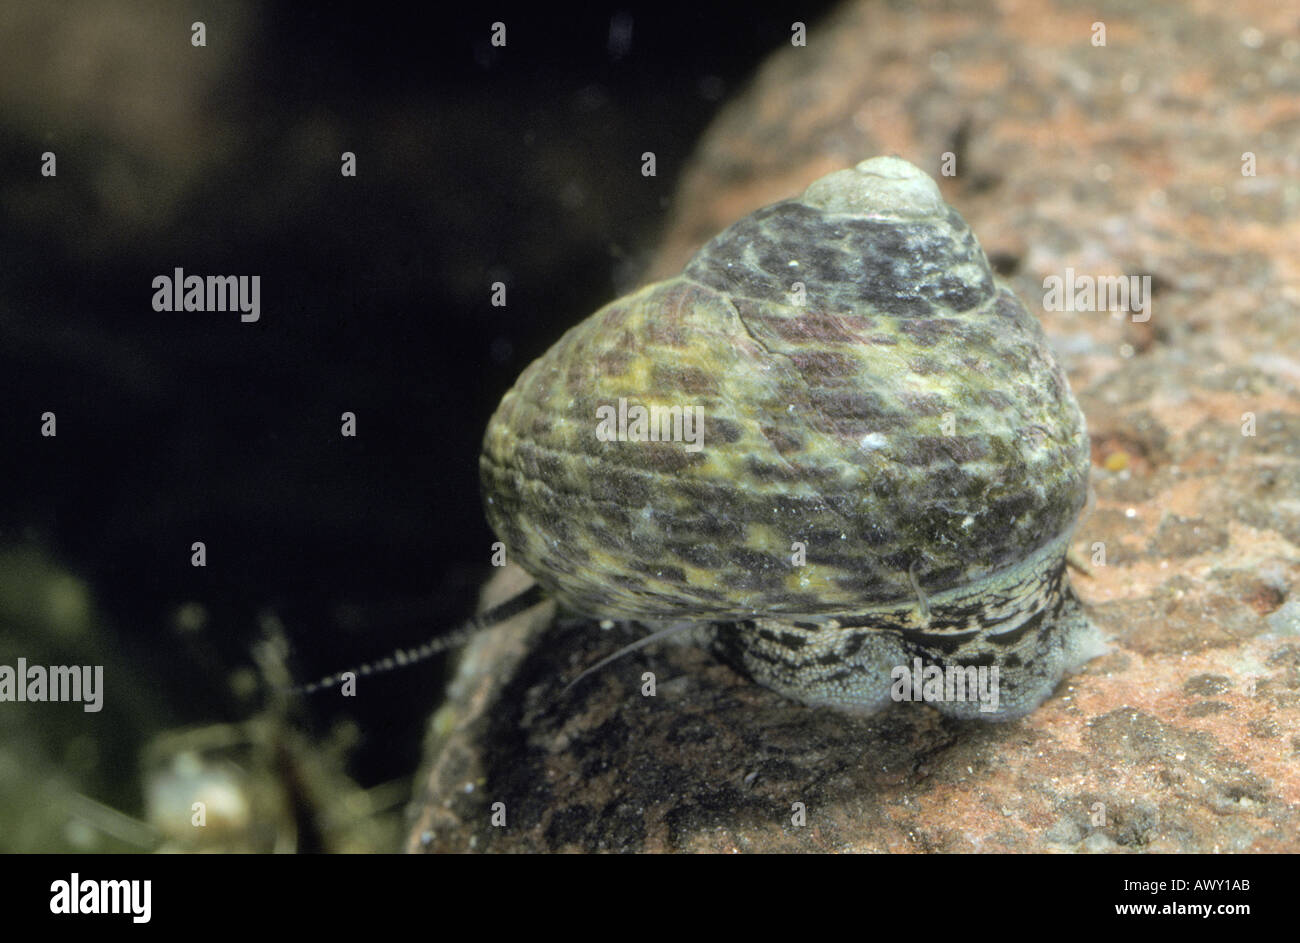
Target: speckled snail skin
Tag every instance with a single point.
(907, 423)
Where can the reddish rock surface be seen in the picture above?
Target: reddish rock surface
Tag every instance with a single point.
(1117, 160)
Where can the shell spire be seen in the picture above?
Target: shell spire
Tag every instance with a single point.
(881, 188)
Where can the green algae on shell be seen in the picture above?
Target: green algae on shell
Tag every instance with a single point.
(869, 393)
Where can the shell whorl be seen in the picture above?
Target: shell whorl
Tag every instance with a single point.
(900, 415)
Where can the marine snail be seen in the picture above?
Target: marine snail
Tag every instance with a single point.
(870, 394)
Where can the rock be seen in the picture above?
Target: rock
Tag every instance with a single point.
(1116, 159)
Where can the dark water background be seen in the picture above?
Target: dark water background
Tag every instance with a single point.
(475, 165)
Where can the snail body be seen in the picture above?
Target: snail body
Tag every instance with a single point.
(890, 467)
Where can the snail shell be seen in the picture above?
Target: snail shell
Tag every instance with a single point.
(900, 416)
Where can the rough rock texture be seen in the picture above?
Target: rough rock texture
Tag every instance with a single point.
(1122, 159)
